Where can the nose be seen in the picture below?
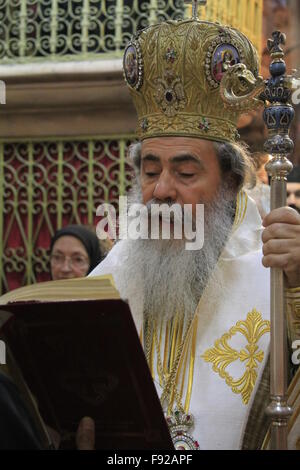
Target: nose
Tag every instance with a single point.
(291, 199)
(66, 266)
(165, 188)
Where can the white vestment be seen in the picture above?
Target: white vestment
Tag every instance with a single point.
(230, 334)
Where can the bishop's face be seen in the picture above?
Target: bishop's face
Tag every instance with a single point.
(181, 170)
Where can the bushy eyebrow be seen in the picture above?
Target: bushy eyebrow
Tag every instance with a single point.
(149, 157)
(187, 158)
(175, 160)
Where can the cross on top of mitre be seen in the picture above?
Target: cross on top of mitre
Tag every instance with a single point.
(195, 5)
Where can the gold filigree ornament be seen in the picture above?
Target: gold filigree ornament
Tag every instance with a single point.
(222, 354)
(188, 72)
(170, 94)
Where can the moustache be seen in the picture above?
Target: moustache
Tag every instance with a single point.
(169, 211)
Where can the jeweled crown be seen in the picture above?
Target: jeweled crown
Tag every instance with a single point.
(191, 78)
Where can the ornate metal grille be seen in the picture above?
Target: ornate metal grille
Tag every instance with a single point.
(37, 29)
(46, 185)
(54, 28)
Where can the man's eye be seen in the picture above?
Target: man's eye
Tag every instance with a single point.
(186, 175)
(150, 174)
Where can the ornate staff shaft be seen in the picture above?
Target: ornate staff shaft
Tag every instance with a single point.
(278, 116)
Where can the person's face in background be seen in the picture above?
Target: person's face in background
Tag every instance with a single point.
(293, 195)
(262, 175)
(69, 258)
(260, 161)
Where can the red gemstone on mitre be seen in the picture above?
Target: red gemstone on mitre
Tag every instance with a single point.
(196, 444)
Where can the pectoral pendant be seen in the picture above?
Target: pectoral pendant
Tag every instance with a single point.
(180, 425)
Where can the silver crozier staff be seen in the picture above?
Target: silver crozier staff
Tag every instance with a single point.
(275, 93)
(278, 116)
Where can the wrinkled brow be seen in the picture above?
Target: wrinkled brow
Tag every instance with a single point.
(175, 160)
(187, 158)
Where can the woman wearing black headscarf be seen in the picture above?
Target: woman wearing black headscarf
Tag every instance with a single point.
(74, 252)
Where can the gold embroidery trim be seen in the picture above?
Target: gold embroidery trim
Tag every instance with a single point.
(241, 208)
(165, 363)
(293, 320)
(183, 379)
(188, 352)
(294, 416)
(178, 356)
(292, 297)
(293, 290)
(293, 393)
(222, 354)
(191, 367)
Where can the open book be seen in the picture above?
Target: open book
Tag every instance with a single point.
(74, 344)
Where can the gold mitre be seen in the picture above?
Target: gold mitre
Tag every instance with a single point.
(174, 71)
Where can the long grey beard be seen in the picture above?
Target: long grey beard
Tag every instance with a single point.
(171, 278)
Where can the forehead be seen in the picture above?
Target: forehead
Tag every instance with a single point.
(68, 244)
(293, 186)
(166, 148)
